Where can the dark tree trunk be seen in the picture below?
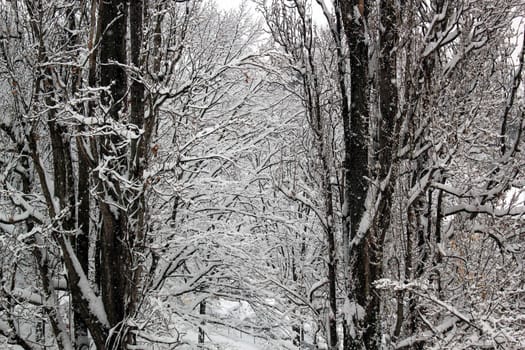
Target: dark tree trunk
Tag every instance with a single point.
(384, 168)
(115, 261)
(123, 226)
(365, 247)
(80, 241)
(202, 311)
(356, 136)
(138, 153)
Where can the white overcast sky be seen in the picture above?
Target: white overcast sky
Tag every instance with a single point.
(318, 16)
(228, 4)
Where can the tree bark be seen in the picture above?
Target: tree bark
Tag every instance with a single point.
(384, 168)
(365, 254)
(115, 261)
(356, 171)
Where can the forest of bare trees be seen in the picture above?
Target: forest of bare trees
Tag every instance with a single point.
(286, 174)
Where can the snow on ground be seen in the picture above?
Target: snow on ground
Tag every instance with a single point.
(233, 342)
(228, 339)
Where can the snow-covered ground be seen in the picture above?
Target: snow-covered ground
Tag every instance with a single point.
(237, 341)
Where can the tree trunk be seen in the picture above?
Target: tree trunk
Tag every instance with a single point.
(365, 253)
(384, 168)
(355, 165)
(202, 311)
(115, 261)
